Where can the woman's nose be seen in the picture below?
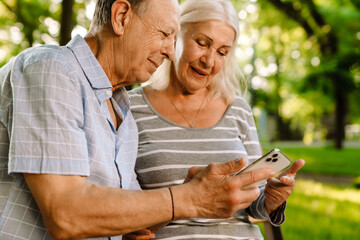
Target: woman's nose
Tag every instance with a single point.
(208, 59)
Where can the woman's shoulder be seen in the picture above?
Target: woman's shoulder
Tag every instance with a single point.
(240, 103)
(136, 97)
(241, 112)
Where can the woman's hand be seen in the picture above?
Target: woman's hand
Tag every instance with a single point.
(143, 234)
(277, 190)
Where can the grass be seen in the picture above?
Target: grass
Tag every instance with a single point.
(323, 211)
(325, 160)
(320, 211)
(317, 210)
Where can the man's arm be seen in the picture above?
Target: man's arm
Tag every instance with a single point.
(74, 208)
(71, 207)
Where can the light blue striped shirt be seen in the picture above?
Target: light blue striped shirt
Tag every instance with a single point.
(54, 120)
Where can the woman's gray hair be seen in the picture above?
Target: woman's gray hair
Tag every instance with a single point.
(226, 82)
(102, 14)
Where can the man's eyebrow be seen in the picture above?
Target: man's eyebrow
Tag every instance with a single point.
(167, 30)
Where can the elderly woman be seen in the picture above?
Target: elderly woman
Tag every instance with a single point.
(191, 114)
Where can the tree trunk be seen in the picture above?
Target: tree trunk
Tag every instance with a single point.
(340, 116)
(66, 21)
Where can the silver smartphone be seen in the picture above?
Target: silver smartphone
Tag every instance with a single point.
(274, 159)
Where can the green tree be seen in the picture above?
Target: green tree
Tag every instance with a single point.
(27, 23)
(28, 15)
(324, 55)
(336, 63)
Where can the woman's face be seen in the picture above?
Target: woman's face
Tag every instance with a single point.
(205, 47)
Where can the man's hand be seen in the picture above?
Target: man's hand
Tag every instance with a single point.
(192, 172)
(214, 193)
(277, 190)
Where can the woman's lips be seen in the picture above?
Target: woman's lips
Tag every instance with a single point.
(198, 71)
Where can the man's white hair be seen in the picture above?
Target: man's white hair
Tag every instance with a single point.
(227, 82)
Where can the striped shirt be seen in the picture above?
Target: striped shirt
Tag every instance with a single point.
(54, 120)
(167, 150)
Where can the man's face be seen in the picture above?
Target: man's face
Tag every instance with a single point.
(149, 40)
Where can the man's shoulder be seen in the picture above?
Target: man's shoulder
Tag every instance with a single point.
(42, 54)
(46, 65)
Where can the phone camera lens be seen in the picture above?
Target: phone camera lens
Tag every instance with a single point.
(275, 160)
(268, 159)
(275, 155)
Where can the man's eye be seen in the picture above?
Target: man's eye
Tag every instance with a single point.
(165, 34)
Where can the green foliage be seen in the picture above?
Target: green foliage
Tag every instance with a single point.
(26, 23)
(290, 66)
(341, 67)
(314, 55)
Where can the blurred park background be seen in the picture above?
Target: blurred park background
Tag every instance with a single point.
(301, 63)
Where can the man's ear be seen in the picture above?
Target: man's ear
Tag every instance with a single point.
(120, 15)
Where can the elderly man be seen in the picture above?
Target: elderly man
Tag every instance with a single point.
(68, 141)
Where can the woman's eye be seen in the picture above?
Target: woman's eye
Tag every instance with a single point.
(223, 52)
(201, 43)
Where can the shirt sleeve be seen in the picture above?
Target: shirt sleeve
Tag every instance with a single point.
(134, 184)
(46, 133)
(257, 210)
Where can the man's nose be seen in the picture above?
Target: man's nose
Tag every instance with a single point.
(168, 48)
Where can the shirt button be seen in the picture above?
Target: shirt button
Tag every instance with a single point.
(108, 93)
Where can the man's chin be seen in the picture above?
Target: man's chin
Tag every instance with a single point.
(134, 80)
(143, 78)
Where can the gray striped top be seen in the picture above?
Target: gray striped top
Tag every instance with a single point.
(167, 150)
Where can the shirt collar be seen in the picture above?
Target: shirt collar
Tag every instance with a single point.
(96, 75)
(91, 67)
